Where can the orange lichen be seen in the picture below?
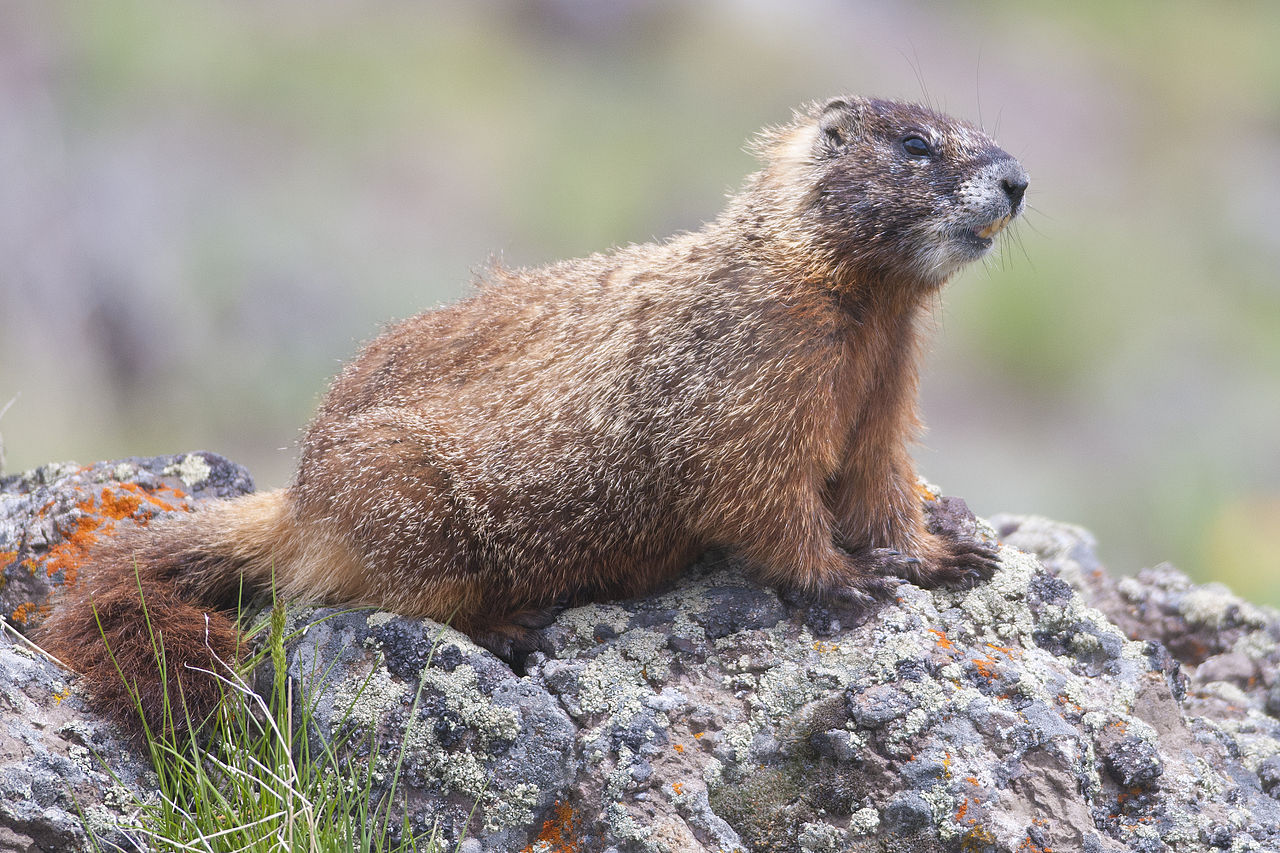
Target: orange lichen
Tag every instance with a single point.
(151, 498)
(679, 748)
(117, 505)
(977, 838)
(7, 557)
(944, 642)
(23, 612)
(560, 832)
(98, 518)
(925, 492)
(678, 787)
(68, 556)
(986, 668)
(697, 735)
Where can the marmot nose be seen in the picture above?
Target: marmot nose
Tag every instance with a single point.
(1014, 183)
(1014, 188)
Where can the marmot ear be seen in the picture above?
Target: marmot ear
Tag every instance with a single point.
(838, 123)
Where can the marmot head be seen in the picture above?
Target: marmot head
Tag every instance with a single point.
(894, 190)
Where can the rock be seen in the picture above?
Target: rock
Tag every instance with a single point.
(49, 517)
(60, 768)
(1053, 707)
(468, 735)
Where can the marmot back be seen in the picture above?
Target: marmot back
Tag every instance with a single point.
(582, 431)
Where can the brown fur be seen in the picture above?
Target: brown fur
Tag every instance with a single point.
(583, 430)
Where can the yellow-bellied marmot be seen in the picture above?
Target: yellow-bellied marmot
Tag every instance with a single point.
(583, 430)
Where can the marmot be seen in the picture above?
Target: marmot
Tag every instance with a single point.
(583, 430)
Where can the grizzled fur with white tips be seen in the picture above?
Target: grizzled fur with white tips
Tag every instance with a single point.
(583, 430)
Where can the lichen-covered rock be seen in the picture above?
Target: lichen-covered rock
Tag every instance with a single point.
(60, 768)
(49, 517)
(1051, 708)
(1008, 717)
(459, 734)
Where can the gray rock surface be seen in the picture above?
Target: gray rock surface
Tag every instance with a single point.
(54, 758)
(1052, 708)
(54, 753)
(50, 516)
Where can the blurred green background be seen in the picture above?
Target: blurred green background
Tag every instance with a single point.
(205, 207)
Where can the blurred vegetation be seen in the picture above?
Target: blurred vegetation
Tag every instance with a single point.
(205, 207)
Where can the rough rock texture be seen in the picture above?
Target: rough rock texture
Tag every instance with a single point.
(1053, 708)
(49, 517)
(482, 742)
(52, 776)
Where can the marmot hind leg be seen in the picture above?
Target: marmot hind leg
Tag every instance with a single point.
(401, 488)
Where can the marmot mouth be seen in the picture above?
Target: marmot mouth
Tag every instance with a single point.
(995, 227)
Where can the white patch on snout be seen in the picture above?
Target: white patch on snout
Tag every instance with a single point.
(983, 198)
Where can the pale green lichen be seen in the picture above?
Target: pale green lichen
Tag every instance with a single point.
(864, 821)
(100, 820)
(649, 649)
(889, 651)
(712, 772)
(818, 837)
(366, 699)
(191, 469)
(1209, 605)
(461, 694)
(1000, 602)
(1083, 644)
(513, 808)
(1131, 589)
(915, 721)
(463, 771)
(624, 826)
(1256, 645)
(378, 618)
(1143, 830)
(613, 685)
(619, 779)
(684, 626)
(942, 805)
(739, 737)
(1140, 728)
(1253, 737)
(50, 473)
(582, 621)
(1227, 692)
(930, 694)
(1076, 692)
(784, 689)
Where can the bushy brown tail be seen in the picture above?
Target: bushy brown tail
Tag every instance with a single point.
(154, 606)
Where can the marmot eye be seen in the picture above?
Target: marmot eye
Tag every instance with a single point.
(916, 146)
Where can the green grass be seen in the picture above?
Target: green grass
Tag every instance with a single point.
(250, 781)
